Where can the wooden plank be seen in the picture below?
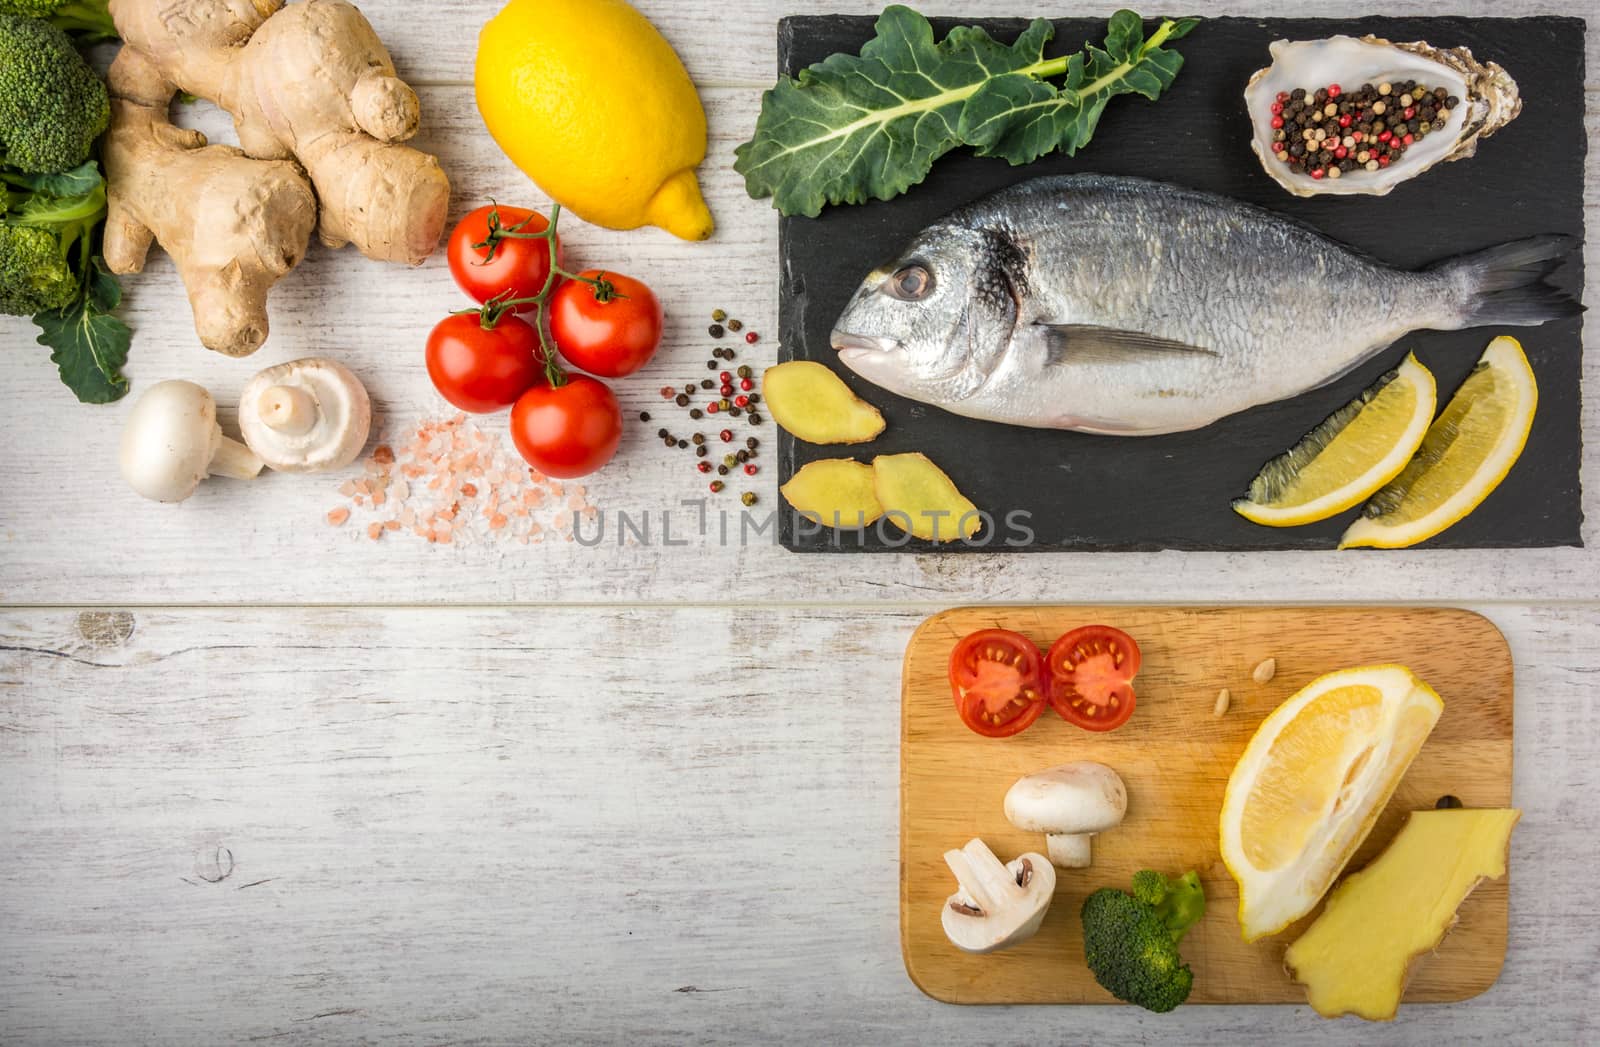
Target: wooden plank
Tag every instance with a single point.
(1175, 758)
(491, 826)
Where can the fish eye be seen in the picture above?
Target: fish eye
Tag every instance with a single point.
(909, 283)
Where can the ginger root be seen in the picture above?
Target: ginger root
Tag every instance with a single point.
(233, 226)
(313, 83)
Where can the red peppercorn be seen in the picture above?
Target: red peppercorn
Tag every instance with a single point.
(726, 390)
(1334, 90)
(1358, 136)
(1316, 172)
(1340, 153)
(1278, 147)
(747, 384)
(726, 435)
(741, 401)
(725, 377)
(1385, 136)
(1383, 161)
(750, 469)
(1283, 96)
(1411, 111)
(1408, 139)
(704, 467)
(1345, 120)
(752, 338)
(711, 408)
(667, 392)
(1277, 122)
(1277, 107)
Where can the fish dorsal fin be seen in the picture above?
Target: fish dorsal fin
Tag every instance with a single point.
(1089, 344)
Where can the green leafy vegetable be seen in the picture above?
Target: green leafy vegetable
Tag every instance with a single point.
(50, 269)
(87, 343)
(852, 128)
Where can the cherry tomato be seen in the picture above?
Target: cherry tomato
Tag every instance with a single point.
(1091, 673)
(608, 333)
(514, 264)
(482, 370)
(997, 682)
(569, 430)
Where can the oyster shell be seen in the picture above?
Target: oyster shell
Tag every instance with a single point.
(1489, 101)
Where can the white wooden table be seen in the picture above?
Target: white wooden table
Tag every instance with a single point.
(264, 779)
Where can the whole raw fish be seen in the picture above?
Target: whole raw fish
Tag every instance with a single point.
(1128, 307)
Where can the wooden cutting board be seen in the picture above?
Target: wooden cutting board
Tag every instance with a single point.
(1175, 757)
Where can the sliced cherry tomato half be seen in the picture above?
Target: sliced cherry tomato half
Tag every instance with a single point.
(997, 680)
(1091, 673)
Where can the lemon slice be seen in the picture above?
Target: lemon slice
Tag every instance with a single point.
(1361, 447)
(1465, 455)
(1312, 781)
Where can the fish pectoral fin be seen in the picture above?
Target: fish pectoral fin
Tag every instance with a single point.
(1089, 344)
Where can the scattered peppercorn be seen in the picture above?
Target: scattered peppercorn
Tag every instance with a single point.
(696, 413)
(729, 460)
(706, 383)
(735, 325)
(722, 470)
(755, 398)
(711, 365)
(644, 416)
(755, 419)
(734, 411)
(701, 451)
(682, 444)
(752, 443)
(704, 467)
(752, 338)
(751, 469)
(744, 371)
(681, 400)
(741, 455)
(746, 384)
(723, 404)
(698, 438)
(726, 435)
(719, 315)
(717, 486)
(741, 401)
(715, 330)
(748, 498)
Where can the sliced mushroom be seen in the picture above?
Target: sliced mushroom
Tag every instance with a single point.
(995, 905)
(172, 441)
(306, 416)
(1069, 804)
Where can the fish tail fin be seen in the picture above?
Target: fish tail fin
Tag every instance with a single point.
(1509, 283)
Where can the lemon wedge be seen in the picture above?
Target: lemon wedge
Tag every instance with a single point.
(1312, 781)
(1338, 465)
(1465, 455)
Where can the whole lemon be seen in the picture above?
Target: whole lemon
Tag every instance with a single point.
(593, 104)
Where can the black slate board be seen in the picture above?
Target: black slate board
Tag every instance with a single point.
(1173, 492)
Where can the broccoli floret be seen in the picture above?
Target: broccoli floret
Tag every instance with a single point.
(1130, 941)
(52, 105)
(46, 242)
(92, 18)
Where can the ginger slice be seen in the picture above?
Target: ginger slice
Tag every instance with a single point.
(919, 498)
(838, 492)
(815, 405)
(1355, 958)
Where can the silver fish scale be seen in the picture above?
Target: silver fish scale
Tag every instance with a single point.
(1279, 308)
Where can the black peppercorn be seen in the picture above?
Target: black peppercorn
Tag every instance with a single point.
(715, 330)
(752, 443)
(701, 451)
(711, 365)
(755, 419)
(696, 413)
(722, 470)
(661, 434)
(698, 438)
(735, 325)
(681, 400)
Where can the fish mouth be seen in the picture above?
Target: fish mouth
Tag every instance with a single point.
(855, 346)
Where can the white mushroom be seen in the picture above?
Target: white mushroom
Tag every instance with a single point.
(996, 905)
(172, 441)
(1069, 804)
(305, 416)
